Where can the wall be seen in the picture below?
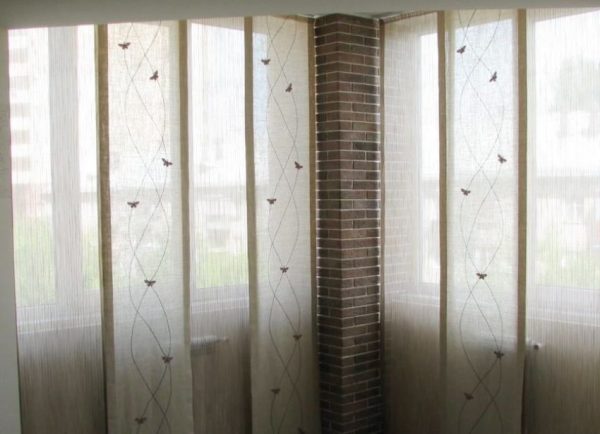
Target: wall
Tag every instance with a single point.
(349, 221)
(9, 392)
(35, 13)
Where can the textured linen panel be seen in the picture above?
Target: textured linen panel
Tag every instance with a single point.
(55, 217)
(9, 381)
(411, 185)
(149, 373)
(563, 292)
(220, 350)
(483, 367)
(284, 376)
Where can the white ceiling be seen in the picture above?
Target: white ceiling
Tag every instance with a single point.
(30, 13)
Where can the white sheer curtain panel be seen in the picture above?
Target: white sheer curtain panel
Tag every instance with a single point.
(483, 367)
(9, 381)
(219, 326)
(284, 376)
(149, 387)
(411, 255)
(55, 221)
(563, 291)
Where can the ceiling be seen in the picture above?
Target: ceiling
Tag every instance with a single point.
(31, 13)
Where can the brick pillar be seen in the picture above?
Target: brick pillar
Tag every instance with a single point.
(349, 220)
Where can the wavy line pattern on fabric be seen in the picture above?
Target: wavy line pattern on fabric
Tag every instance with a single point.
(280, 47)
(151, 154)
(488, 380)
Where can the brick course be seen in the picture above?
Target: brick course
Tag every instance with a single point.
(348, 227)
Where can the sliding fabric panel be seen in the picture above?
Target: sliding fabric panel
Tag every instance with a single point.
(284, 375)
(147, 341)
(483, 367)
(411, 223)
(219, 322)
(9, 382)
(563, 294)
(55, 218)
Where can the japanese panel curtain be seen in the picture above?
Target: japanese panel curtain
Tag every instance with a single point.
(147, 341)
(411, 216)
(162, 227)
(491, 322)
(56, 236)
(284, 380)
(220, 315)
(563, 278)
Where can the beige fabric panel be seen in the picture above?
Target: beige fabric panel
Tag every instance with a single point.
(55, 216)
(150, 386)
(563, 224)
(483, 360)
(284, 376)
(9, 387)
(219, 326)
(411, 251)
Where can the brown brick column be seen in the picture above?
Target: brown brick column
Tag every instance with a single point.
(348, 210)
